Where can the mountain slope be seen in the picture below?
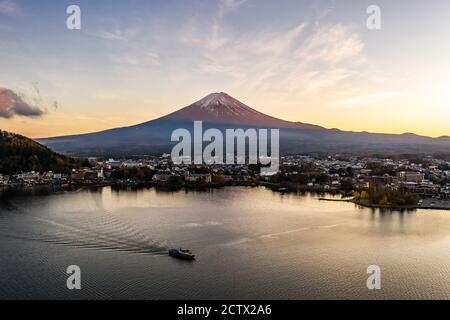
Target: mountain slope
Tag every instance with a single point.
(18, 153)
(219, 110)
(223, 109)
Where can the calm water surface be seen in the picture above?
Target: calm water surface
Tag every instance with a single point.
(251, 244)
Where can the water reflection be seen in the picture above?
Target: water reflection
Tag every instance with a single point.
(251, 243)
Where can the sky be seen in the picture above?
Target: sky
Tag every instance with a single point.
(310, 61)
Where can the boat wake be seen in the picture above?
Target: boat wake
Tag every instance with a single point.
(103, 232)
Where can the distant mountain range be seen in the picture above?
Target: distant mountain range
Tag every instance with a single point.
(219, 110)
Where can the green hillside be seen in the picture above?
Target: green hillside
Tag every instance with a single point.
(18, 153)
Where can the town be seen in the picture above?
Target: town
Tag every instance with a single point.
(413, 181)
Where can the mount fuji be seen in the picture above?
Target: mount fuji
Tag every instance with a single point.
(220, 108)
(221, 111)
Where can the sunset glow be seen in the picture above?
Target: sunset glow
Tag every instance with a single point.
(309, 61)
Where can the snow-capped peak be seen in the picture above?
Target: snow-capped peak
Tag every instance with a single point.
(221, 103)
(221, 108)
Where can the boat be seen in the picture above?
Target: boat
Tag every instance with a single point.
(181, 253)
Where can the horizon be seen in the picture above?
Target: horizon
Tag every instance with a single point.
(225, 93)
(314, 62)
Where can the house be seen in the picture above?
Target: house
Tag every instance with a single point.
(29, 177)
(77, 175)
(94, 175)
(131, 164)
(115, 164)
(427, 189)
(365, 171)
(57, 176)
(415, 177)
(162, 177)
(198, 178)
(335, 184)
(4, 179)
(47, 177)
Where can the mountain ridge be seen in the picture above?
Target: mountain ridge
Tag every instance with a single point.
(221, 108)
(19, 153)
(221, 111)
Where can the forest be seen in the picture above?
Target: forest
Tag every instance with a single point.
(21, 154)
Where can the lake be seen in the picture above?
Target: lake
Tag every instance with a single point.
(251, 243)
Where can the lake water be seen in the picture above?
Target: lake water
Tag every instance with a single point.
(251, 243)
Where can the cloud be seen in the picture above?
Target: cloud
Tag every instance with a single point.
(111, 35)
(302, 59)
(8, 7)
(370, 99)
(12, 104)
(300, 62)
(332, 44)
(226, 6)
(117, 32)
(233, 3)
(216, 39)
(145, 59)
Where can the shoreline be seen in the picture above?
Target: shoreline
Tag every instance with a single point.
(389, 207)
(55, 189)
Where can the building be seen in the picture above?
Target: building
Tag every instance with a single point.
(198, 178)
(415, 177)
(162, 177)
(114, 164)
(77, 176)
(94, 175)
(335, 184)
(57, 176)
(4, 179)
(427, 189)
(29, 177)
